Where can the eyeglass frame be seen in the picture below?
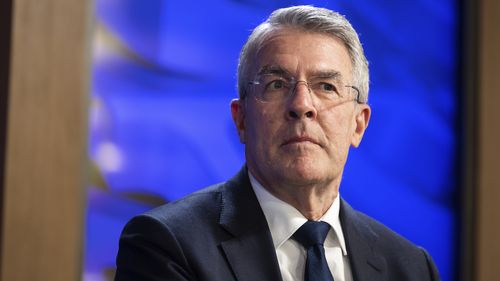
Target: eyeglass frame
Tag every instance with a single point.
(294, 83)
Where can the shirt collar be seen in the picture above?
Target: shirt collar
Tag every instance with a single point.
(283, 219)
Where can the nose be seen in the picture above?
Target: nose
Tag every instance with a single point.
(300, 105)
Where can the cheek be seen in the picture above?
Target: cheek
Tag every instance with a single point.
(338, 130)
(262, 128)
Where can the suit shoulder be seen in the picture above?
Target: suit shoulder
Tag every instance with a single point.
(406, 260)
(201, 205)
(387, 236)
(387, 240)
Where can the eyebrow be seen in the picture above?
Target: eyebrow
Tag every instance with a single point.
(279, 70)
(327, 74)
(273, 69)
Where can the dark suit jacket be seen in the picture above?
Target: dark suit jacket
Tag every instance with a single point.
(220, 233)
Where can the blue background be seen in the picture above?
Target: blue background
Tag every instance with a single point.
(164, 73)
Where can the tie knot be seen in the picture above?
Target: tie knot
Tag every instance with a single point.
(312, 233)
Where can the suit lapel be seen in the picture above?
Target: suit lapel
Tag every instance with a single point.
(366, 263)
(250, 252)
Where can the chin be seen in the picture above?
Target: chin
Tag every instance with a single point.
(305, 172)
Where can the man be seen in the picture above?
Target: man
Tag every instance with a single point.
(303, 87)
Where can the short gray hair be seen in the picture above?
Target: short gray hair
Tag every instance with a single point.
(309, 19)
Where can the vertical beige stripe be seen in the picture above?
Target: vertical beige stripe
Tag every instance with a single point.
(46, 141)
(488, 196)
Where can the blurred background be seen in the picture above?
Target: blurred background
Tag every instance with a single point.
(164, 72)
(114, 107)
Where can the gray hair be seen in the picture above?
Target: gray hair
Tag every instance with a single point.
(309, 19)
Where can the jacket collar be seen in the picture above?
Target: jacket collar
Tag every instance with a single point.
(366, 263)
(250, 252)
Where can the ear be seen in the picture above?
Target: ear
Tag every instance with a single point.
(238, 114)
(362, 119)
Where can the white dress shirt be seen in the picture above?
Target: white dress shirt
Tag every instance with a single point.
(283, 220)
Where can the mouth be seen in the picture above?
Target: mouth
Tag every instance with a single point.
(300, 140)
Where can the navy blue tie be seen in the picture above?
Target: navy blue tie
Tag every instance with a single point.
(312, 235)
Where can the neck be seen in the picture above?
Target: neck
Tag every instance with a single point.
(312, 200)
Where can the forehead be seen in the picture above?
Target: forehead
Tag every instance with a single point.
(303, 53)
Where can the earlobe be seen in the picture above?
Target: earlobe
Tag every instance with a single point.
(361, 123)
(238, 114)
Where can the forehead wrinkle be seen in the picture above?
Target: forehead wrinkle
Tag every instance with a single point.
(273, 37)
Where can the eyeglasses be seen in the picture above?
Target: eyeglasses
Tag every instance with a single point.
(277, 88)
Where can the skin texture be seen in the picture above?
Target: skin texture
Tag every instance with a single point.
(297, 149)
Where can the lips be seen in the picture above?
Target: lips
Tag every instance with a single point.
(300, 139)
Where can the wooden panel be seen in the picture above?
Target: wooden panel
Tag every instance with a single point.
(46, 141)
(5, 36)
(488, 197)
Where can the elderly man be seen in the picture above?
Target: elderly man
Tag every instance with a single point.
(303, 87)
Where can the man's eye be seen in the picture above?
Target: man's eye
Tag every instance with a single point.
(327, 87)
(276, 85)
